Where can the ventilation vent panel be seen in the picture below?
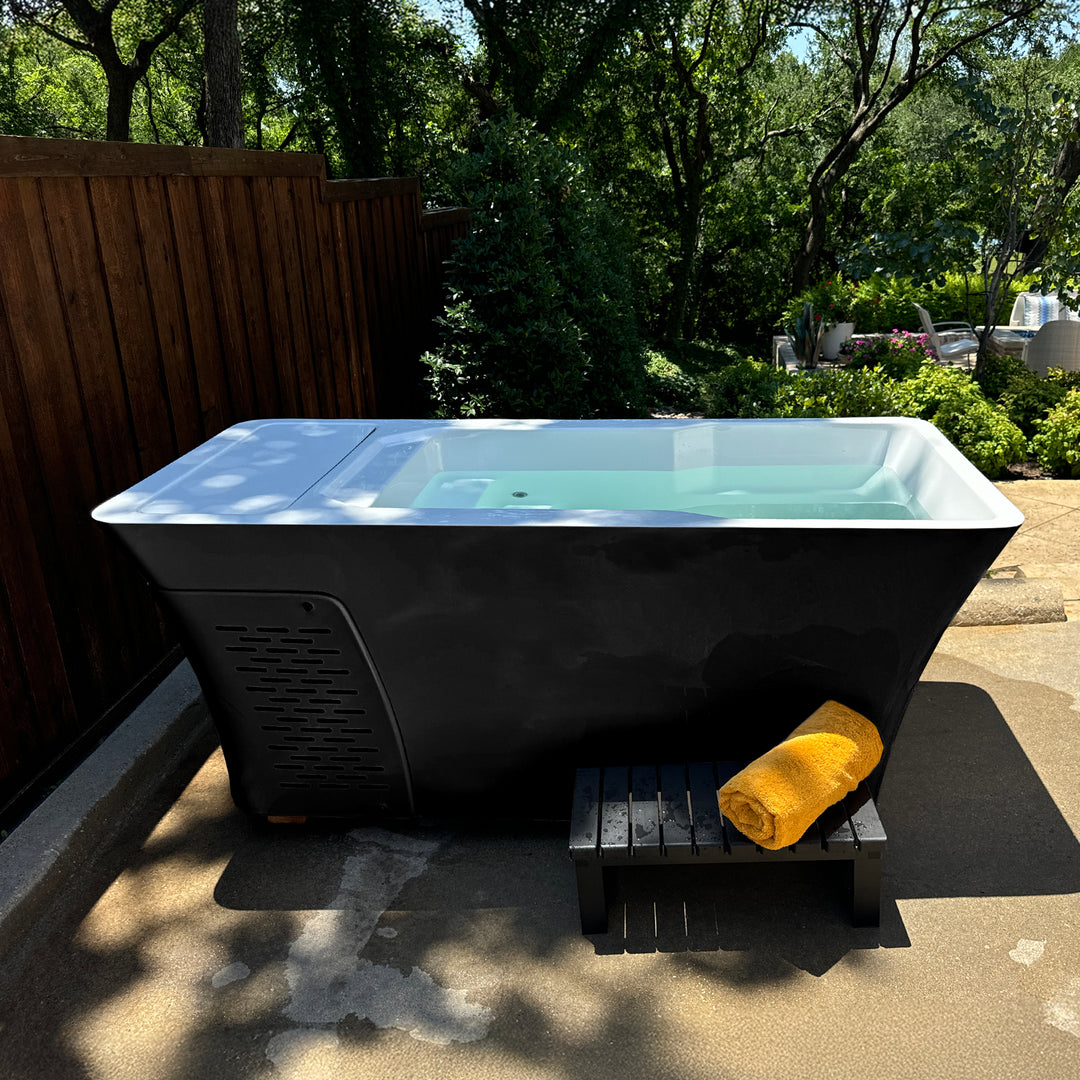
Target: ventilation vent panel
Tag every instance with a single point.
(307, 725)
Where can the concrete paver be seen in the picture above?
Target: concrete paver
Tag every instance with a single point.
(202, 944)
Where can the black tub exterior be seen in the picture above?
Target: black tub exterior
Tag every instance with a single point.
(493, 661)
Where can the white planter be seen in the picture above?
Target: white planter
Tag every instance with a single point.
(834, 338)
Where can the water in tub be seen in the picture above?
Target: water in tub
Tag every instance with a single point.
(744, 491)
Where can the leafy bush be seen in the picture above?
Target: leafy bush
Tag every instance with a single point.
(887, 304)
(1056, 443)
(539, 318)
(954, 404)
(667, 386)
(900, 356)
(746, 388)
(962, 298)
(833, 299)
(702, 357)
(1023, 395)
(753, 389)
(876, 305)
(1000, 370)
(836, 393)
(1070, 380)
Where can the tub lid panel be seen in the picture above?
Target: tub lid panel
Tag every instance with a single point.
(246, 471)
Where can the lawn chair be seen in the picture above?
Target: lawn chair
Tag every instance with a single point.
(1057, 344)
(949, 351)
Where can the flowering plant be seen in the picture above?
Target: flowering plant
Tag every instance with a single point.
(899, 354)
(836, 299)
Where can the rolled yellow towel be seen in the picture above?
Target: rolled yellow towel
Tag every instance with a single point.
(776, 798)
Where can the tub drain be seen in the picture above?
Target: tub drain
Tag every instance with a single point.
(519, 494)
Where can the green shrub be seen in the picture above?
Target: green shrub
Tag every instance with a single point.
(1028, 399)
(1000, 370)
(834, 299)
(539, 318)
(826, 393)
(886, 304)
(745, 388)
(964, 299)
(1070, 380)
(1023, 395)
(956, 406)
(702, 357)
(667, 386)
(881, 303)
(1056, 443)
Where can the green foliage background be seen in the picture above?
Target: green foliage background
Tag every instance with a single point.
(648, 166)
(539, 318)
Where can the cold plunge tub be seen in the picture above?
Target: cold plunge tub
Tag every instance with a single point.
(403, 616)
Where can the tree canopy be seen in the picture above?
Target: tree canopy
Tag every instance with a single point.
(748, 147)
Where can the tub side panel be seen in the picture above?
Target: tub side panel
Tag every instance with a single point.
(510, 656)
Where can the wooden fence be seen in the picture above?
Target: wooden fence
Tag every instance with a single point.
(150, 297)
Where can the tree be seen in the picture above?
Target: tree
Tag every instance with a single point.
(89, 29)
(1016, 147)
(1060, 183)
(541, 55)
(365, 65)
(221, 65)
(882, 51)
(695, 65)
(539, 318)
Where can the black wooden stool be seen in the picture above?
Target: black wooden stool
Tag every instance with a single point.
(645, 815)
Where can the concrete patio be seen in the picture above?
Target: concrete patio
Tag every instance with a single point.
(151, 931)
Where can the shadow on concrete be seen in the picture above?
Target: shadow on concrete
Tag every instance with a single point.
(966, 814)
(965, 810)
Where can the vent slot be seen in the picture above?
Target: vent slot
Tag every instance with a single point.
(298, 703)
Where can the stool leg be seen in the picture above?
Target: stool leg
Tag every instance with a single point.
(592, 897)
(866, 890)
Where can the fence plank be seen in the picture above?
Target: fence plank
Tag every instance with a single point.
(93, 344)
(341, 358)
(271, 258)
(363, 311)
(26, 156)
(354, 367)
(200, 305)
(99, 383)
(300, 313)
(125, 282)
(167, 308)
(248, 268)
(32, 670)
(149, 298)
(221, 263)
(304, 208)
(55, 433)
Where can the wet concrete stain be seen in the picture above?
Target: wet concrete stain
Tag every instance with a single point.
(329, 980)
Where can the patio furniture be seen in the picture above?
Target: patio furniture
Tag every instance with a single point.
(669, 815)
(1057, 344)
(963, 347)
(1032, 310)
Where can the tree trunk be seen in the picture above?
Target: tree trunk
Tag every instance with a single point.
(683, 273)
(1065, 174)
(827, 175)
(813, 238)
(121, 83)
(221, 70)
